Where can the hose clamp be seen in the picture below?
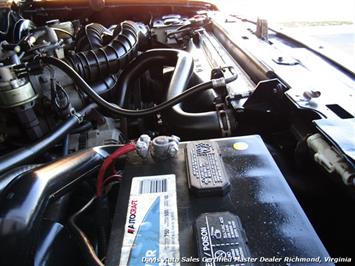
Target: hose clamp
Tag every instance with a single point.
(78, 116)
(218, 83)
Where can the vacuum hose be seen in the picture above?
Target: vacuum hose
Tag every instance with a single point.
(117, 110)
(28, 153)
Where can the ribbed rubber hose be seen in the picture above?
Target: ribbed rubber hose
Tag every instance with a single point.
(91, 39)
(97, 64)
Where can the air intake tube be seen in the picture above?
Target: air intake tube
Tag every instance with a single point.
(96, 64)
(91, 39)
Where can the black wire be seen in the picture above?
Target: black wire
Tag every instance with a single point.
(66, 145)
(7, 23)
(187, 28)
(58, 94)
(64, 31)
(83, 241)
(175, 32)
(115, 109)
(64, 95)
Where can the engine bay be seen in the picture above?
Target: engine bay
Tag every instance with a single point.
(108, 109)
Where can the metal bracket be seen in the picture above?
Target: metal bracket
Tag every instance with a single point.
(223, 119)
(262, 29)
(266, 95)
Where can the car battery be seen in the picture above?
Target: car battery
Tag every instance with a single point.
(161, 220)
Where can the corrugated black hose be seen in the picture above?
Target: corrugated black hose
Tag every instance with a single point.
(98, 63)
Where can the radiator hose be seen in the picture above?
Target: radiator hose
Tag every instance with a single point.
(201, 124)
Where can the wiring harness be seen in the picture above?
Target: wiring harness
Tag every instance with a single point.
(99, 201)
(108, 164)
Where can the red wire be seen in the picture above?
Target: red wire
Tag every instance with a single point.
(109, 163)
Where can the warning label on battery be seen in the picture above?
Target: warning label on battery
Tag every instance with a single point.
(221, 240)
(151, 232)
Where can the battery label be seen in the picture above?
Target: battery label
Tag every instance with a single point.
(221, 240)
(151, 232)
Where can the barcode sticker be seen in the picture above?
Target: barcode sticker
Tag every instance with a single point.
(151, 233)
(152, 186)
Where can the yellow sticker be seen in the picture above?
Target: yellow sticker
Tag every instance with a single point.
(240, 146)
